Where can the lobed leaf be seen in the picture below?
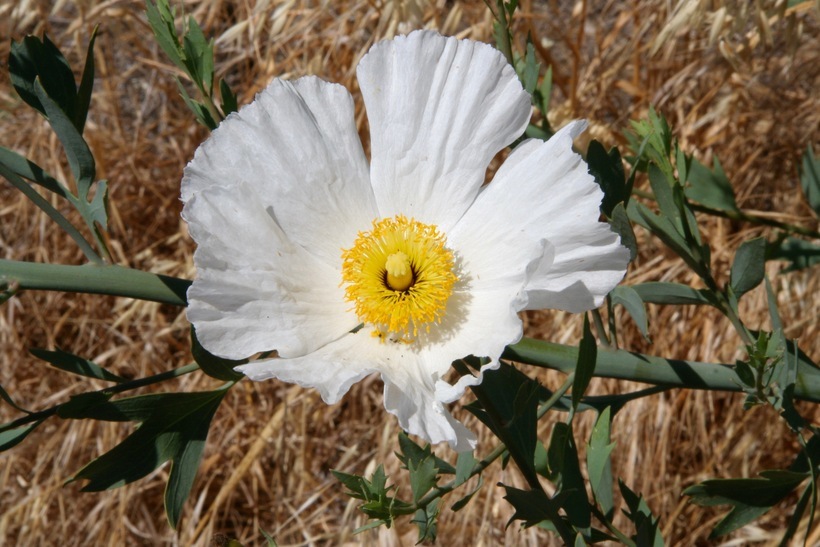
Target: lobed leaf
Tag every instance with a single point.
(174, 431)
(710, 187)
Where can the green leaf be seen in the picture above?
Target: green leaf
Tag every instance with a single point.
(658, 292)
(6, 397)
(668, 232)
(425, 518)
(69, 362)
(423, 477)
(86, 405)
(749, 498)
(810, 179)
(460, 504)
(464, 467)
(199, 56)
(665, 196)
(213, 366)
(13, 437)
(629, 298)
(710, 187)
(528, 73)
(507, 404)
(33, 59)
(585, 366)
(173, 430)
(748, 267)
(79, 156)
(27, 169)
(646, 525)
(599, 464)
(268, 538)
(415, 454)
(774, 314)
(621, 224)
(200, 111)
(161, 18)
(83, 100)
(800, 253)
(565, 471)
(608, 170)
(228, 98)
(531, 506)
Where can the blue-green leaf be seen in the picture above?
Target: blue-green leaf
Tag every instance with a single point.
(631, 300)
(748, 267)
(585, 366)
(228, 98)
(661, 292)
(83, 100)
(608, 170)
(599, 464)
(161, 18)
(6, 397)
(464, 467)
(810, 179)
(79, 156)
(29, 170)
(13, 437)
(749, 498)
(710, 187)
(69, 362)
(173, 430)
(213, 366)
(799, 253)
(34, 58)
(565, 471)
(620, 223)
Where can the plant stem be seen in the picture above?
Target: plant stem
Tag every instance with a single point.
(119, 388)
(742, 216)
(96, 279)
(649, 369)
(130, 283)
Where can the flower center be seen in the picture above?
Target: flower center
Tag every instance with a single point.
(399, 276)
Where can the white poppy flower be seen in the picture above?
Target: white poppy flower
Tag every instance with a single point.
(404, 265)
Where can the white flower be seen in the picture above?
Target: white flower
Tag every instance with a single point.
(301, 242)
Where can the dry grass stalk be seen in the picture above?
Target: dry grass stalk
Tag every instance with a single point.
(736, 80)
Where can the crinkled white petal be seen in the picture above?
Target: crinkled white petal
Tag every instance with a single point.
(297, 145)
(409, 389)
(255, 290)
(544, 190)
(331, 370)
(439, 110)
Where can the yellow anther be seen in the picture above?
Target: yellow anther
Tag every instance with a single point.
(399, 277)
(399, 272)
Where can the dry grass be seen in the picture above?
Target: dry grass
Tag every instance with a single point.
(737, 80)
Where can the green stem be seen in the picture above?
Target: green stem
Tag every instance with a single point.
(742, 216)
(97, 279)
(53, 213)
(113, 390)
(649, 369)
(126, 282)
(598, 321)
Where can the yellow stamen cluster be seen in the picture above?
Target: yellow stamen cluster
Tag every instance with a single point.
(399, 276)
